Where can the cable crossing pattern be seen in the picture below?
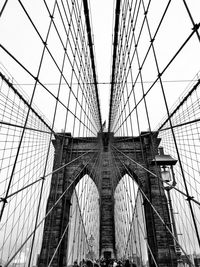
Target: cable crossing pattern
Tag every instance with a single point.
(72, 190)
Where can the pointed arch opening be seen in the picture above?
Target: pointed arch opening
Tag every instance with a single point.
(130, 226)
(83, 232)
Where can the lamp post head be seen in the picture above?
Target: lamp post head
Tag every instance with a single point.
(163, 160)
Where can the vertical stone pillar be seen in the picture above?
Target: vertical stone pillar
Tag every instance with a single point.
(156, 210)
(64, 232)
(107, 229)
(157, 221)
(58, 218)
(107, 232)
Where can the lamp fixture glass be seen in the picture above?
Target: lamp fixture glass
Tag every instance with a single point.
(165, 173)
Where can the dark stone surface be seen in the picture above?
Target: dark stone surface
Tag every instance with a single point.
(106, 177)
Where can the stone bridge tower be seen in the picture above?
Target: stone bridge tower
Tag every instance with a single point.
(129, 151)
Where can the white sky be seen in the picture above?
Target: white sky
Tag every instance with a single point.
(17, 36)
(175, 29)
(102, 21)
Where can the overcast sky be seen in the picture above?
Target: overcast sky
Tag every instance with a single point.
(18, 37)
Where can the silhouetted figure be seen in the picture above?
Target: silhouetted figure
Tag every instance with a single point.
(89, 263)
(75, 264)
(127, 264)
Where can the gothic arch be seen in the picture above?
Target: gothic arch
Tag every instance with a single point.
(130, 172)
(75, 172)
(80, 229)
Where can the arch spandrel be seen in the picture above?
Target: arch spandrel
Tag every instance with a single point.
(133, 156)
(137, 171)
(130, 172)
(75, 172)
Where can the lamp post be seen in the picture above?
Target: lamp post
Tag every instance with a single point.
(166, 163)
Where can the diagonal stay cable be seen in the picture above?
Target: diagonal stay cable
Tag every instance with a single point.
(3, 7)
(163, 71)
(180, 104)
(118, 170)
(22, 127)
(71, 46)
(24, 100)
(84, 227)
(139, 165)
(47, 214)
(159, 216)
(39, 82)
(87, 19)
(46, 175)
(116, 29)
